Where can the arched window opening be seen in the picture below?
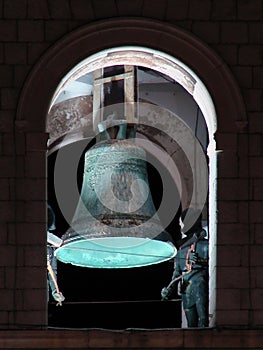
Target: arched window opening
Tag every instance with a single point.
(175, 124)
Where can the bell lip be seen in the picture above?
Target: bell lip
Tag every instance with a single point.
(109, 244)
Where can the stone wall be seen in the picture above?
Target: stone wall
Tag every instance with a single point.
(31, 30)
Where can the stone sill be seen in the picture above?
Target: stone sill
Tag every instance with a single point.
(209, 338)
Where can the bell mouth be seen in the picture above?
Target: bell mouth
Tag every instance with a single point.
(115, 252)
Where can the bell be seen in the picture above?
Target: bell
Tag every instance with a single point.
(115, 224)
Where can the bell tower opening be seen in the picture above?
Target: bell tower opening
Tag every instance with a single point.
(161, 105)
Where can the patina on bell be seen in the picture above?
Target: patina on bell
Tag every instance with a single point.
(115, 224)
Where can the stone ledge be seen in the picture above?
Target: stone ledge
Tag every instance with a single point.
(213, 338)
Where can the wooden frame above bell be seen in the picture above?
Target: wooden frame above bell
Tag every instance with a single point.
(115, 97)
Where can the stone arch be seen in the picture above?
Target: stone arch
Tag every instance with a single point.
(86, 41)
(215, 77)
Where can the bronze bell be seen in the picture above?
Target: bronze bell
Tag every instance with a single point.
(115, 223)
